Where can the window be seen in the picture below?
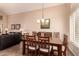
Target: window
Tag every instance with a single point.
(74, 27)
(77, 26)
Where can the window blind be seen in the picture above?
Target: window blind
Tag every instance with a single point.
(77, 28)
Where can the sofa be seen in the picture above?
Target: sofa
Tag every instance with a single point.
(9, 39)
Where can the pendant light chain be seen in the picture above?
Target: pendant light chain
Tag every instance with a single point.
(42, 10)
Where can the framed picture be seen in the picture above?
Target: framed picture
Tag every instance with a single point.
(17, 26)
(12, 26)
(45, 24)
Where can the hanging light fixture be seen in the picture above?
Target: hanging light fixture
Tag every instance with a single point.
(42, 12)
(42, 19)
(38, 21)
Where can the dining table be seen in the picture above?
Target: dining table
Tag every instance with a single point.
(53, 42)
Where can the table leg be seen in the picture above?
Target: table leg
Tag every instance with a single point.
(59, 50)
(23, 50)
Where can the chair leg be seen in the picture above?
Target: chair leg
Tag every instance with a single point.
(65, 54)
(35, 52)
(38, 51)
(51, 53)
(28, 52)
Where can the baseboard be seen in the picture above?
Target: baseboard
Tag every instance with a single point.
(70, 49)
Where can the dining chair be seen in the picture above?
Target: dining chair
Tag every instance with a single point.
(34, 33)
(31, 45)
(48, 34)
(24, 42)
(65, 44)
(45, 34)
(24, 36)
(56, 35)
(44, 46)
(41, 34)
(64, 47)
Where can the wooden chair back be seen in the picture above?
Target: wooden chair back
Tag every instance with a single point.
(31, 44)
(48, 34)
(34, 33)
(45, 34)
(56, 35)
(44, 42)
(24, 36)
(31, 40)
(41, 34)
(65, 41)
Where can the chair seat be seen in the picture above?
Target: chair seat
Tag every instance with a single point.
(45, 50)
(32, 48)
(55, 48)
(63, 48)
(56, 53)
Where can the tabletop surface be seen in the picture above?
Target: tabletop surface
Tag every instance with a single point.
(52, 41)
(56, 41)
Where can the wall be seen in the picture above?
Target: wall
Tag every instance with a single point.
(4, 21)
(74, 6)
(59, 19)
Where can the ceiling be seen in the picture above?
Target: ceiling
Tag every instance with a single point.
(13, 8)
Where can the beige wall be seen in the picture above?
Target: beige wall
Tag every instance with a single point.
(74, 6)
(59, 19)
(4, 21)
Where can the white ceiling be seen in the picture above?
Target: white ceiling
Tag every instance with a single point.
(13, 8)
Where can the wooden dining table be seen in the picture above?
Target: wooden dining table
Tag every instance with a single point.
(53, 42)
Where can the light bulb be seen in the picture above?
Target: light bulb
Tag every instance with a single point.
(38, 21)
(47, 21)
(42, 20)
